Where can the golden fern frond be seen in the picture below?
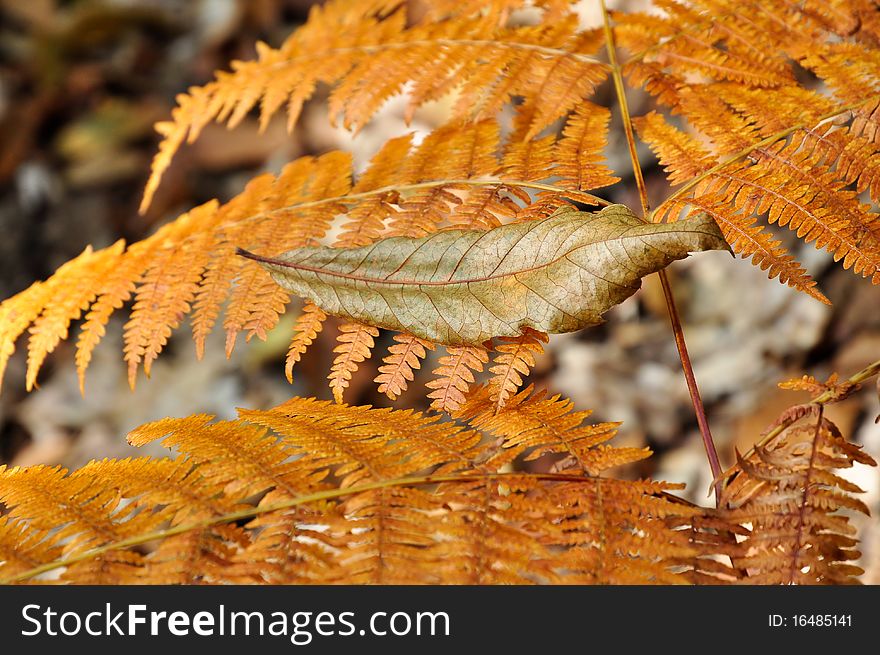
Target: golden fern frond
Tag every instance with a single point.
(681, 155)
(776, 145)
(79, 513)
(189, 266)
(796, 188)
(355, 345)
(499, 9)
(710, 39)
(222, 268)
(578, 153)
(403, 357)
(16, 314)
(454, 376)
(603, 549)
(313, 491)
(229, 454)
(532, 425)
(484, 208)
(83, 274)
(167, 289)
(683, 159)
(796, 505)
(801, 184)
(24, 547)
(112, 292)
(515, 359)
(308, 324)
(454, 151)
(367, 220)
(367, 52)
(754, 241)
(256, 302)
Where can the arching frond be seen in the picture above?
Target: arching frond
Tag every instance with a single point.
(315, 492)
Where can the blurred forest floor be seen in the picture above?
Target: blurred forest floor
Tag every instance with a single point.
(81, 84)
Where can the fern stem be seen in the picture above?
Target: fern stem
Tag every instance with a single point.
(805, 496)
(432, 43)
(693, 389)
(625, 116)
(745, 152)
(674, 320)
(252, 512)
(581, 196)
(418, 186)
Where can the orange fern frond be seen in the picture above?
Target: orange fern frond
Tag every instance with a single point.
(454, 376)
(456, 152)
(256, 302)
(167, 290)
(753, 241)
(484, 208)
(405, 189)
(402, 358)
(775, 146)
(681, 156)
(360, 444)
(366, 221)
(368, 53)
(308, 324)
(112, 292)
(81, 276)
(241, 458)
(795, 505)
(533, 425)
(736, 41)
(317, 492)
(221, 270)
(515, 359)
(578, 153)
(16, 314)
(794, 184)
(24, 547)
(355, 345)
(79, 512)
(832, 389)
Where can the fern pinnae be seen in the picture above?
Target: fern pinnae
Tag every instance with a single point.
(221, 269)
(315, 491)
(356, 342)
(749, 240)
(308, 324)
(322, 51)
(166, 290)
(255, 303)
(51, 326)
(578, 157)
(516, 357)
(454, 376)
(792, 500)
(402, 358)
(248, 219)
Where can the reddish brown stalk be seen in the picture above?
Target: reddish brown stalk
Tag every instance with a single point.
(693, 389)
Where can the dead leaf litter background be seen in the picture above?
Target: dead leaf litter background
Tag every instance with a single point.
(81, 84)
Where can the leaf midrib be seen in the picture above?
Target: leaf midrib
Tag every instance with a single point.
(434, 283)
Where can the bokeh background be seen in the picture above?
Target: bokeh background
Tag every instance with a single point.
(81, 84)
